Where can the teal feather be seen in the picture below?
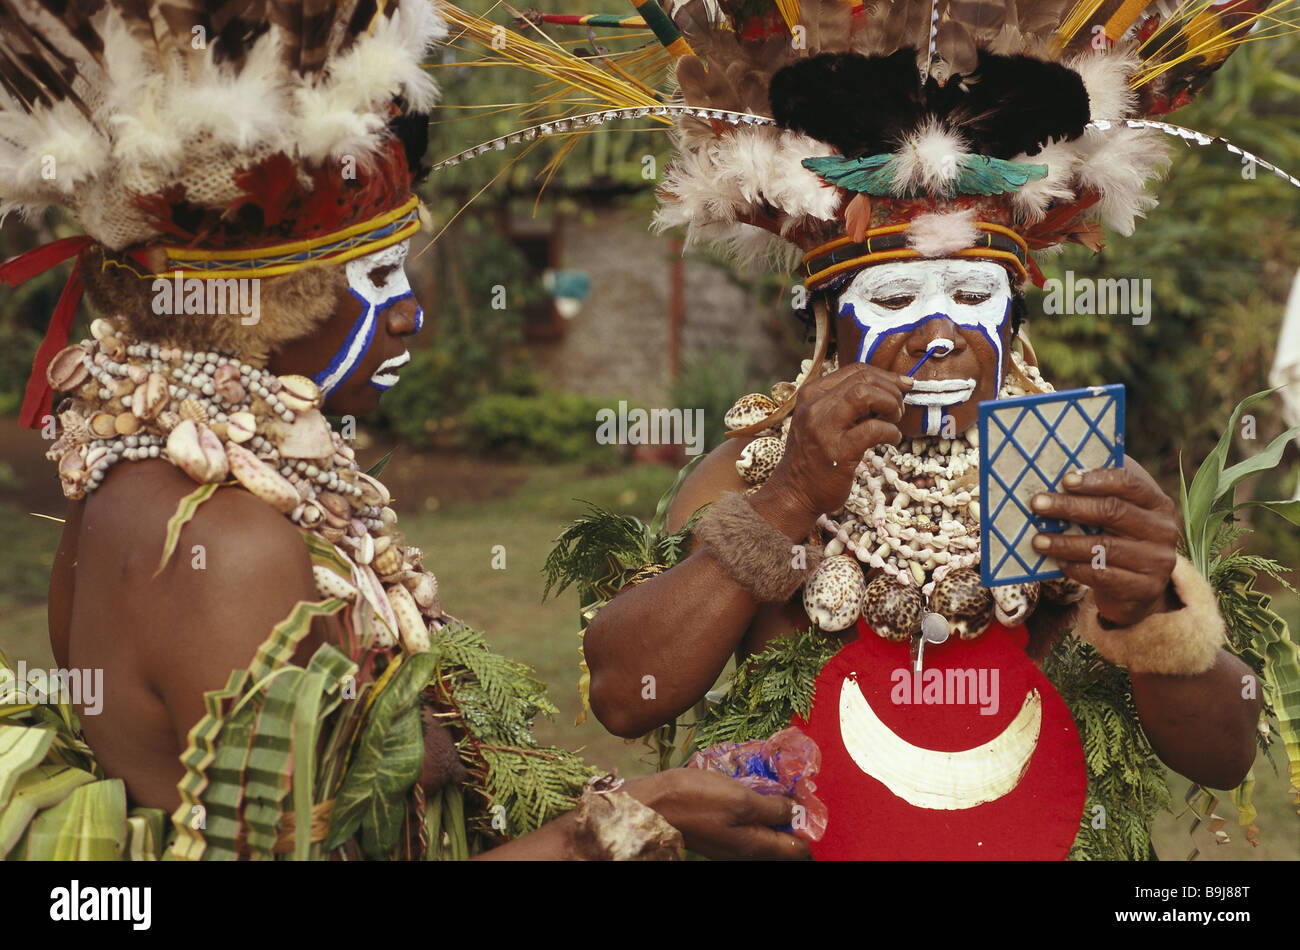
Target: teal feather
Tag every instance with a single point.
(874, 174)
(869, 175)
(981, 175)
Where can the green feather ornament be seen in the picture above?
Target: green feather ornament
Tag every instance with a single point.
(876, 174)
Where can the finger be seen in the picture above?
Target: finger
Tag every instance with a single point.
(1130, 482)
(771, 810)
(856, 386)
(1142, 557)
(866, 434)
(1115, 583)
(875, 375)
(1122, 517)
(856, 401)
(767, 844)
(817, 388)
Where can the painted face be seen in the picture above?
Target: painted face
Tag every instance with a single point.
(944, 322)
(378, 282)
(354, 357)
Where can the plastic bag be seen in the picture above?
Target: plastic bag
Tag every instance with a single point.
(782, 765)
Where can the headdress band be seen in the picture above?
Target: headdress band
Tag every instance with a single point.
(827, 261)
(358, 240)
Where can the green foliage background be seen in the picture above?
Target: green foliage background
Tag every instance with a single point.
(1221, 251)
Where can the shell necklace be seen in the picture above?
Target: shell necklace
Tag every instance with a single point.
(912, 518)
(215, 417)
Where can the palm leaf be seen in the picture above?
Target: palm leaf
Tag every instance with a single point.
(42, 787)
(186, 509)
(89, 825)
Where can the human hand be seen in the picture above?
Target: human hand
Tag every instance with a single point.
(720, 818)
(836, 419)
(1130, 577)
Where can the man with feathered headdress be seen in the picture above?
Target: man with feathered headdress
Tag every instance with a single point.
(271, 648)
(913, 157)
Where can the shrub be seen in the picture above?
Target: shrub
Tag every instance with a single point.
(551, 427)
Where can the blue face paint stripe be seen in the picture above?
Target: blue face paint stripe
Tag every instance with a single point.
(364, 322)
(996, 343)
(905, 328)
(368, 320)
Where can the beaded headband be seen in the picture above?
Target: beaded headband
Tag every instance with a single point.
(357, 240)
(824, 263)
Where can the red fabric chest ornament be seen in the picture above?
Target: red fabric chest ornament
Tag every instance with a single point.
(872, 739)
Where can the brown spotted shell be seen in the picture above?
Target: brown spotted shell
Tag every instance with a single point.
(1062, 590)
(748, 410)
(893, 611)
(833, 595)
(783, 392)
(964, 602)
(759, 459)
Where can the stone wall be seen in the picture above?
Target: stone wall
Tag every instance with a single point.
(618, 344)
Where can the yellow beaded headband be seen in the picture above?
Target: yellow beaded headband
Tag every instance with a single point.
(824, 263)
(357, 240)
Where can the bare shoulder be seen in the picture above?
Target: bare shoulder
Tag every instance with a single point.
(131, 510)
(714, 477)
(239, 567)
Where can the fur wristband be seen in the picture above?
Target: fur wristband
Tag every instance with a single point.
(752, 552)
(1180, 642)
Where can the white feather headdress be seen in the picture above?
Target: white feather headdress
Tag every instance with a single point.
(103, 105)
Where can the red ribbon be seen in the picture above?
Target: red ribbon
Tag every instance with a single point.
(39, 397)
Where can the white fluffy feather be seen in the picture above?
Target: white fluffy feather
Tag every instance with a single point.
(57, 140)
(160, 119)
(718, 180)
(929, 160)
(940, 235)
(1105, 77)
(1118, 163)
(1033, 199)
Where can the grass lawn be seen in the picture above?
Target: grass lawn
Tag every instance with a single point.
(460, 540)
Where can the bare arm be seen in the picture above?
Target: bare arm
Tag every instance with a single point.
(256, 568)
(163, 642)
(682, 626)
(717, 816)
(1202, 726)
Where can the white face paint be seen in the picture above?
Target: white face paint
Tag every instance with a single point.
(901, 296)
(375, 298)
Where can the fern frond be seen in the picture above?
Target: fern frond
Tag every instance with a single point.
(596, 551)
(768, 690)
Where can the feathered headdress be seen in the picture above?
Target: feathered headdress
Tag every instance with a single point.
(245, 138)
(851, 132)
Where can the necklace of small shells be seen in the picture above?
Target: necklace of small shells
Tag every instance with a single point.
(922, 540)
(215, 417)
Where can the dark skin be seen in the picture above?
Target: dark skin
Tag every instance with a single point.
(162, 643)
(683, 625)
